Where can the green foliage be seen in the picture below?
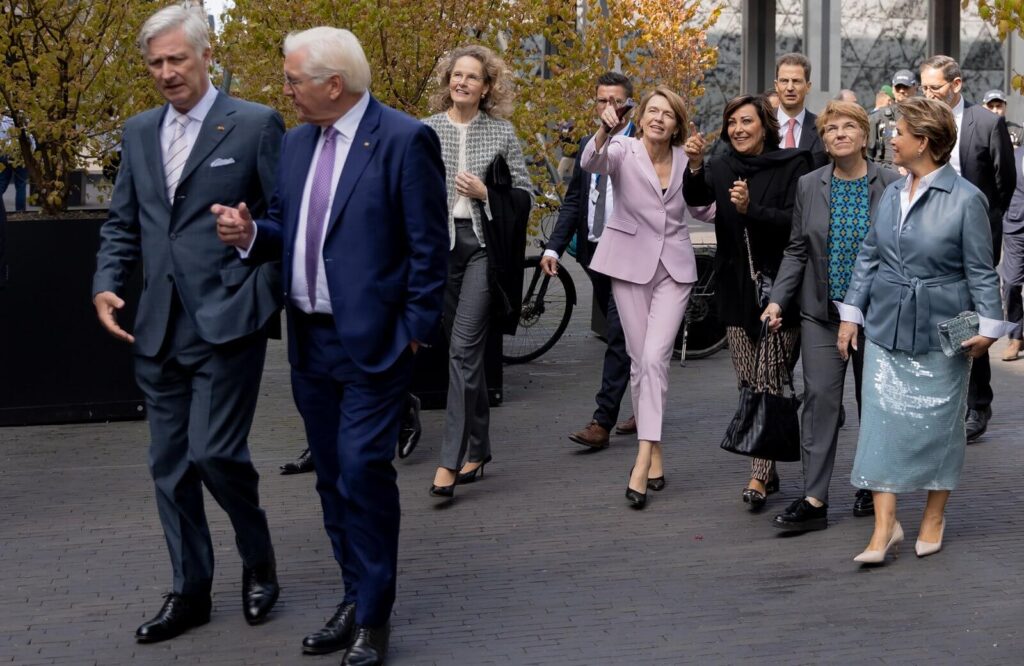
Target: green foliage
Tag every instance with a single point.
(73, 75)
(649, 40)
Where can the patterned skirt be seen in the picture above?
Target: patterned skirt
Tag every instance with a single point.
(912, 434)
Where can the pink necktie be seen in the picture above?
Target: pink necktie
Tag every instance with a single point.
(790, 136)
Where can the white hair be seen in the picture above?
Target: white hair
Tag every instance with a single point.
(331, 51)
(192, 21)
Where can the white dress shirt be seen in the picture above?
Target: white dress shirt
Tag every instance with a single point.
(991, 328)
(784, 126)
(197, 114)
(958, 116)
(346, 126)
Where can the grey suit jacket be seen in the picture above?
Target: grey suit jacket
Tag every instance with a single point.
(225, 297)
(804, 271)
(939, 264)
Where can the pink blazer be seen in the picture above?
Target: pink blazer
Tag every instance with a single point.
(645, 226)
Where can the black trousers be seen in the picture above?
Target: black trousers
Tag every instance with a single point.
(615, 371)
(979, 391)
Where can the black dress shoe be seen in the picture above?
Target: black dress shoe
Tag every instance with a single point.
(411, 429)
(977, 422)
(802, 516)
(755, 498)
(656, 482)
(864, 503)
(303, 464)
(259, 592)
(369, 647)
(636, 500)
(336, 635)
(470, 477)
(178, 614)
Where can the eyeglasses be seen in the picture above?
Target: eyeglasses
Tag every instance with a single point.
(935, 89)
(294, 83)
(605, 101)
(847, 128)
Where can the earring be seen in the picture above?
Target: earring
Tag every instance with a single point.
(920, 151)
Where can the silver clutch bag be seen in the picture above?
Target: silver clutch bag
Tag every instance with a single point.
(954, 331)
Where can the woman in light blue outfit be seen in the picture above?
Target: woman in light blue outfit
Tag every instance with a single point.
(927, 258)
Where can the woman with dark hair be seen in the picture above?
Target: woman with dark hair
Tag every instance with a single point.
(474, 97)
(753, 182)
(927, 258)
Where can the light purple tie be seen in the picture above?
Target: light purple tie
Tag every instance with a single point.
(319, 200)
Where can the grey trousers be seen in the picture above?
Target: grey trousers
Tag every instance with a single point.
(824, 378)
(200, 400)
(466, 318)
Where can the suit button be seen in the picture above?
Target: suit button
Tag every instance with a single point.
(174, 236)
(170, 278)
(659, 238)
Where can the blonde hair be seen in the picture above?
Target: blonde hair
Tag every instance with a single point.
(839, 109)
(498, 102)
(677, 105)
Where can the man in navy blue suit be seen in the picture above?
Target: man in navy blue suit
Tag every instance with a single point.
(359, 219)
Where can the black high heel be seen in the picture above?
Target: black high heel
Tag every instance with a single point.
(637, 500)
(447, 492)
(470, 477)
(656, 483)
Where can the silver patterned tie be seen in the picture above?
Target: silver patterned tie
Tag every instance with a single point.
(177, 153)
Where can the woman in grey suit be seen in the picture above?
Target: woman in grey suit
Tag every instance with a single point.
(927, 258)
(474, 96)
(834, 208)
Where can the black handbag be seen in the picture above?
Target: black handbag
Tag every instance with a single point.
(766, 425)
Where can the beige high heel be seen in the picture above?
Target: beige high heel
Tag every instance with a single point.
(926, 548)
(878, 556)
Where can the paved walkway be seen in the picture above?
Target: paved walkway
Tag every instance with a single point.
(542, 562)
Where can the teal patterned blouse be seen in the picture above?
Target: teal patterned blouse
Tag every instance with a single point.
(851, 219)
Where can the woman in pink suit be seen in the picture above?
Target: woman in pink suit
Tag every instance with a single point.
(645, 249)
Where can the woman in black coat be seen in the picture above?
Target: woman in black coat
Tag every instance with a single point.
(753, 182)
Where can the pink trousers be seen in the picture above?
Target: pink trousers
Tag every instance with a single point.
(651, 314)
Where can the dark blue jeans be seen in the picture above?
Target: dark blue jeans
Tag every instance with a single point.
(20, 176)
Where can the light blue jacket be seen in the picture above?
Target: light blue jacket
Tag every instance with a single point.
(939, 264)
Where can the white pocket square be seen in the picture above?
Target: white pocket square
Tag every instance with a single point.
(220, 161)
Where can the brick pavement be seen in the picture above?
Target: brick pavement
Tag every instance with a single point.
(541, 562)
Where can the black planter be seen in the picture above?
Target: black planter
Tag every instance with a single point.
(57, 364)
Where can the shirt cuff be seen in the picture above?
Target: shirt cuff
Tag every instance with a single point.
(850, 313)
(244, 254)
(551, 253)
(994, 328)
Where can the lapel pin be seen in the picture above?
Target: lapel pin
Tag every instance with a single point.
(366, 144)
(220, 128)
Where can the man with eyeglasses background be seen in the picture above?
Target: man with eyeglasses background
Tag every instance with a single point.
(984, 156)
(587, 201)
(796, 123)
(882, 122)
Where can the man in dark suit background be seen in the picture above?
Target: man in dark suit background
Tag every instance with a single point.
(984, 156)
(360, 217)
(199, 338)
(588, 200)
(796, 124)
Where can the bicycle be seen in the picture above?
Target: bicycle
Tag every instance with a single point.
(701, 333)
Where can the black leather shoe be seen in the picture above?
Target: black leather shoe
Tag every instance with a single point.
(977, 422)
(755, 498)
(303, 464)
(636, 500)
(178, 614)
(411, 429)
(772, 486)
(802, 516)
(470, 477)
(369, 648)
(656, 483)
(336, 635)
(864, 503)
(259, 592)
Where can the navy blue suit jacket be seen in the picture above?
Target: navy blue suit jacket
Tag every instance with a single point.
(386, 248)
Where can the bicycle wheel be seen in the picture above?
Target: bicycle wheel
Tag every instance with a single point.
(706, 334)
(547, 307)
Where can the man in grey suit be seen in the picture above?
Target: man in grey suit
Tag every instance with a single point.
(199, 338)
(984, 156)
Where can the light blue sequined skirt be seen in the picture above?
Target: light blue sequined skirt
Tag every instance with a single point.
(912, 434)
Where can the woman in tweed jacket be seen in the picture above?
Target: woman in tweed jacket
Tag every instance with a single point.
(474, 97)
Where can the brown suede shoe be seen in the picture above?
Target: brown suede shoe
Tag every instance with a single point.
(627, 427)
(1012, 349)
(594, 436)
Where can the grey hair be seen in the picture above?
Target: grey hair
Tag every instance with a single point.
(192, 21)
(331, 51)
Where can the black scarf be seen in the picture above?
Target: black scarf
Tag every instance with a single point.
(745, 166)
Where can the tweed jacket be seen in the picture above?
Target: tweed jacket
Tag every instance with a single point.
(486, 138)
(907, 280)
(803, 274)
